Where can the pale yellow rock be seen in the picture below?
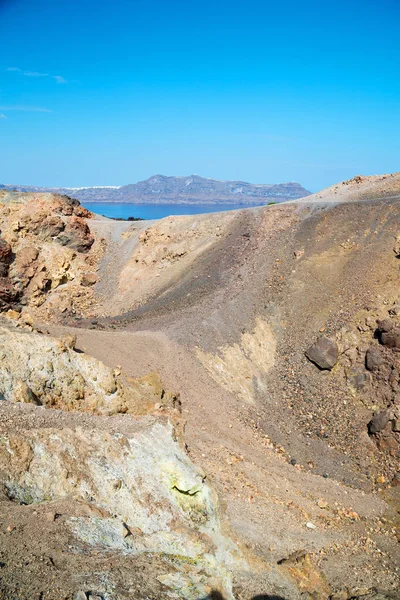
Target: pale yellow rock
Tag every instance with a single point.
(23, 393)
(39, 369)
(243, 366)
(13, 314)
(27, 319)
(69, 341)
(146, 496)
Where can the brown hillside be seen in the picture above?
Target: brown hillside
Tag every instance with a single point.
(284, 478)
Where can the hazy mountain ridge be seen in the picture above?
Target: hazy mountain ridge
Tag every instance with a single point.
(161, 189)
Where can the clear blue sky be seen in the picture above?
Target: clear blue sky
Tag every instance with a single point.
(95, 92)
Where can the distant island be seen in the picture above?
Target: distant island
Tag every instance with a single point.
(161, 189)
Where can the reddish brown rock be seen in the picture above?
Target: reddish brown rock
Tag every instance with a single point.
(77, 235)
(26, 256)
(26, 264)
(67, 210)
(5, 257)
(52, 226)
(388, 443)
(80, 211)
(88, 279)
(8, 294)
(70, 206)
(5, 251)
(395, 481)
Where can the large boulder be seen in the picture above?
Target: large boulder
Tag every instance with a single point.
(324, 353)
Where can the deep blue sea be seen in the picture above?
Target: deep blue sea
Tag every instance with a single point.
(154, 211)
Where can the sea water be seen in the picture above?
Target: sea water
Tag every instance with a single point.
(123, 210)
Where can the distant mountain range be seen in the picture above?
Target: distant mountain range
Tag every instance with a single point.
(161, 189)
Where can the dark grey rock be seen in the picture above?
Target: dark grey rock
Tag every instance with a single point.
(324, 353)
(391, 339)
(385, 325)
(379, 421)
(373, 358)
(359, 379)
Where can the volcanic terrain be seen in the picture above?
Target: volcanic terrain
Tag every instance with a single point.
(202, 406)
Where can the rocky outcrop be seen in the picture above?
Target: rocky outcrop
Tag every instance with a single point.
(375, 375)
(77, 235)
(143, 495)
(45, 371)
(139, 496)
(71, 231)
(45, 253)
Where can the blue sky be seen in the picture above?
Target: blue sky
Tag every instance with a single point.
(110, 93)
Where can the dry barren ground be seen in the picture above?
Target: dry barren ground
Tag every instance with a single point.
(224, 308)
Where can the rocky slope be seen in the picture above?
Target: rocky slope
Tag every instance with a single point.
(256, 354)
(360, 187)
(193, 189)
